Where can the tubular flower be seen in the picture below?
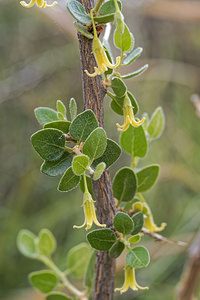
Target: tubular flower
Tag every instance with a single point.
(130, 281)
(149, 221)
(89, 211)
(129, 118)
(39, 3)
(101, 59)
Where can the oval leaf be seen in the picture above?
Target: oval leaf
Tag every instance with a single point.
(124, 41)
(49, 143)
(147, 177)
(68, 181)
(83, 125)
(135, 239)
(77, 10)
(57, 296)
(101, 239)
(138, 257)
(138, 220)
(108, 7)
(118, 86)
(123, 223)
(26, 243)
(134, 141)
(157, 123)
(73, 108)
(58, 167)
(79, 164)
(61, 108)
(96, 143)
(116, 249)
(132, 56)
(45, 115)
(78, 258)
(99, 170)
(60, 125)
(83, 30)
(124, 185)
(111, 154)
(46, 243)
(45, 281)
(90, 272)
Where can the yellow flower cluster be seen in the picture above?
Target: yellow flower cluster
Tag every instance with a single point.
(39, 3)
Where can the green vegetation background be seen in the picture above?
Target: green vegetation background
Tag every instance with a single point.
(40, 64)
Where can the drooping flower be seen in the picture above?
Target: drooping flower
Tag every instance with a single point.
(130, 281)
(101, 59)
(129, 118)
(39, 3)
(89, 212)
(149, 221)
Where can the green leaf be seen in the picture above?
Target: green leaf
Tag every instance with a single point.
(83, 30)
(60, 116)
(60, 125)
(58, 167)
(111, 154)
(108, 7)
(157, 123)
(89, 185)
(135, 239)
(116, 249)
(78, 258)
(134, 141)
(73, 107)
(147, 177)
(118, 102)
(101, 239)
(132, 56)
(61, 108)
(124, 185)
(99, 170)
(77, 10)
(138, 220)
(95, 144)
(83, 125)
(124, 41)
(79, 164)
(118, 86)
(105, 18)
(68, 181)
(138, 257)
(57, 296)
(123, 223)
(135, 73)
(26, 243)
(46, 243)
(45, 115)
(49, 143)
(90, 272)
(45, 281)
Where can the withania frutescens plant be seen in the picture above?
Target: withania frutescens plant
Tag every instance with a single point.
(78, 150)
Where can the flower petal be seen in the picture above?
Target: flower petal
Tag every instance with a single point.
(30, 4)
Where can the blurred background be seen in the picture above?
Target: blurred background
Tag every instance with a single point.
(39, 64)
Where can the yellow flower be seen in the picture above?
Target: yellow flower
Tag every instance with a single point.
(39, 3)
(89, 211)
(149, 221)
(129, 118)
(101, 59)
(130, 281)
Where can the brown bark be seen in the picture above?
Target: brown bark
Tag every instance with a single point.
(191, 274)
(93, 95)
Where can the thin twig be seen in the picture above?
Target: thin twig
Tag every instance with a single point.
(161, 238)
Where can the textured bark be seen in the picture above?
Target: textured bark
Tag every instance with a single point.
(93, 95)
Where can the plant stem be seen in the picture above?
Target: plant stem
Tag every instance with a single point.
(61, 275)
(98, 5)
